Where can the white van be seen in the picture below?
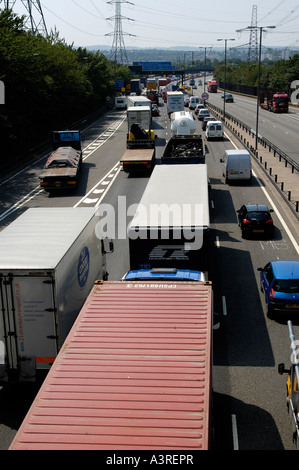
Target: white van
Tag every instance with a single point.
(237, 165)
(214, 130)
(121, 102)
(194, 100)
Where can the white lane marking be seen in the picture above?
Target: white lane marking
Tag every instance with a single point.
(235, 432)
(224, 306)
(35, 192)
(282, 221)
(96, 187)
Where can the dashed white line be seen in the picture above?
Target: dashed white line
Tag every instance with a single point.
(283, 223)
(88, 200)
(235, 432)
(224, 306)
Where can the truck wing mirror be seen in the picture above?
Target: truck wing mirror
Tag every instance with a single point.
(108, 245)
(282, 370)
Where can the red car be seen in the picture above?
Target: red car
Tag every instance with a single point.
(206, 120)
(155, 110)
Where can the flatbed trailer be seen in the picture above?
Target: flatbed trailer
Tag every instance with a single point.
(134, 373)
(138, 159)
(62, 168)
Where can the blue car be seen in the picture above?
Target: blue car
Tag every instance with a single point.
(280, 284)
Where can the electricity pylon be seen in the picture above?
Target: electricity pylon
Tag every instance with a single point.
(253, 42)
(118, 50)
(35, 20)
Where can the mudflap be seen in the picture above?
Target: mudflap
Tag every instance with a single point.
(27, 369)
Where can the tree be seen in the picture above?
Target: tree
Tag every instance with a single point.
(48, 83)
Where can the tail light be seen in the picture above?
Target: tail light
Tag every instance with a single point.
(270, 221)
(272, 294)
(245, 221)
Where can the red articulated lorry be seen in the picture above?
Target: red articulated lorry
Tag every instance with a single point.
(133, 373)
(275, 102)
(212, 86)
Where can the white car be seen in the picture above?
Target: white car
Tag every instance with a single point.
(198, 107)
(202, 113)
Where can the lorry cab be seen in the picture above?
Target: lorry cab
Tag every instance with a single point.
(237, 165)
(165, 274)
(214, 130)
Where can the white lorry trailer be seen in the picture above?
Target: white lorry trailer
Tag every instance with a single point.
(175, 102)
(171, 224)
(49, 260)
(133, 101)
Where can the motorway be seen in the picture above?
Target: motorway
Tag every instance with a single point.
(249, 395)
(280, 129)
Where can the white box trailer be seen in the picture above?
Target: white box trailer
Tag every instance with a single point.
(175, 102)
(133, 101)
(49, 261)
(139, 115)
(171, 224)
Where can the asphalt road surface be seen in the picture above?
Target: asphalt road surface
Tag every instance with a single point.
(249, 395)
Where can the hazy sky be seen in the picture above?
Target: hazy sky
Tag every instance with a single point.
(158, 23)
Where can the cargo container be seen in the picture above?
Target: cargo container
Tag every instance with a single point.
(49, 261)
(133, 101)
(134, 373)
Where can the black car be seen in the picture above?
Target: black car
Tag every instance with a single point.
(228, 98)
(255, 219)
